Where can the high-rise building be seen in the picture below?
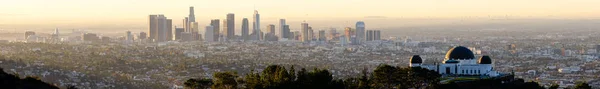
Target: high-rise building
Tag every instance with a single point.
(29, 33)
(360, 31)
(349, 33)
(311, 35)
(271, 29)
(286, 32)
(370, 35)
(159, 28)
(56, 35)
(152, 27)
(169, 30)
(229, 27)
(245, 29)
(128, 37)
(142, 35)
(186, 24)
(178, 32)
(194, 29)
(215, 24)
(282, 33)
(191, 17)
(256, 25)
(321, 36)
(304, 31)
(377, 35)
(209, 34)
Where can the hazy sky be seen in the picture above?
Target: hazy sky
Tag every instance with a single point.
(137, 11)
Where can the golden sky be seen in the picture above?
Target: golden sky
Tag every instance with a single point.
(136, 11)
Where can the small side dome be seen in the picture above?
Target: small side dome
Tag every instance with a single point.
(416, 59)
(485, 60)
(451, 61)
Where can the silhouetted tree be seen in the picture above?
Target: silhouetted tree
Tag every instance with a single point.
(554, 86)
(582, 85)
(201, 83)
(224, 80)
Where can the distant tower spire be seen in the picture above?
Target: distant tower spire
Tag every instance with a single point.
(191, 17)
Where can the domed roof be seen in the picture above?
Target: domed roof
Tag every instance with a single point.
(460, 53)
(416, 59)
(451, 61)
(485, 60)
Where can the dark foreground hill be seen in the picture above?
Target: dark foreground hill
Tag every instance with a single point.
(12, 81)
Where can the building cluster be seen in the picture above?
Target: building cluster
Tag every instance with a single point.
(222, 30)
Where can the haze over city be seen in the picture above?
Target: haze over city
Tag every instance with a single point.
(44, 15)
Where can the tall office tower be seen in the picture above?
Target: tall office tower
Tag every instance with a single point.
(377, 35)
(29, 33)
(152, 27)
(349, 32)
(282, 33)
(191, 17)
(186, 24)
(370, 35)
(162, 27)
(209, 34)
(271, 29)
(215, 24)
(286, 32)
(360, 31)
(159, 28)
(194, 29)
(311, 35)
(229, 27)
(245, 29)
(169, 30)
(321, 36)
(142, 35)
(256, 24)
(304, 31)
(178, 32)
(56, 31)
(128, 37)
(56, 35)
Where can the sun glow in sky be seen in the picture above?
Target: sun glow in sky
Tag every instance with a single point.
(137, 11)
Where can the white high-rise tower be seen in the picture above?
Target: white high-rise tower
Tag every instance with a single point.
(256, 25)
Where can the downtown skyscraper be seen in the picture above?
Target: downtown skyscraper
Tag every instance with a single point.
(245, 29)
(191, 17)
(209, 34)
(282, 31)
(159, 28)
(229, 27)
(304, 31)
(215, 24)
(360, 31)
(256, 25)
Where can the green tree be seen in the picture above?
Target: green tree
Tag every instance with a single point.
(582, 85)
(554, 86)
(201, 83)
(224, 80)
